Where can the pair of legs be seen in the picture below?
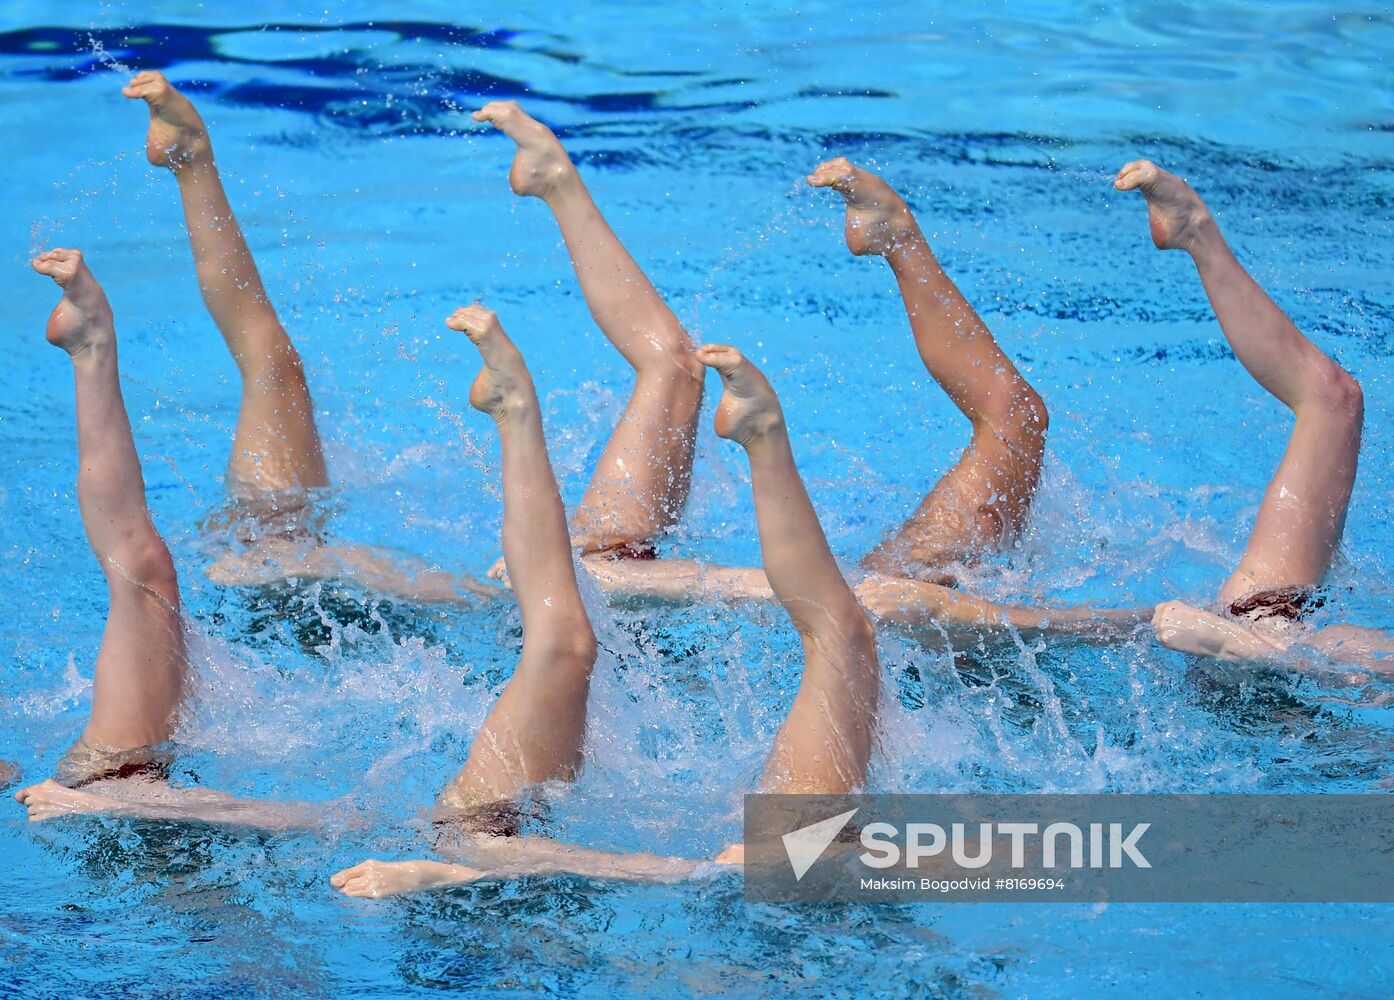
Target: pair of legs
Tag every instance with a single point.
(276, 452)
(535, 731)
(142, 666)
(642, 481)
(1303, 513)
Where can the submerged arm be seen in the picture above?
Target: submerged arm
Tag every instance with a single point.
(678, 581)
(511, 857)
(926, 611)
(1367, 648)
(380, 570)
(1188, 629)
(1191, 630)
(229, 811)
(157, 800)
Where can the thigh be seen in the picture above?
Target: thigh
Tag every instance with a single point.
(1303, 514)
(640, 484)
(276, 445)
(825, 744)
(142, 666)
(979, 504)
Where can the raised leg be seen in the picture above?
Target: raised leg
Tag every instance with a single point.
(1300, 521)
(984, 499)
(276, 447)
(825, 743)
(141, 665)
(536, 731)
(641, 483)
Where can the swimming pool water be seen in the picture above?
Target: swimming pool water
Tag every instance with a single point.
(374, 208)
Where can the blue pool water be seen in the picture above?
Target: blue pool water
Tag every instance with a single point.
(374, 209)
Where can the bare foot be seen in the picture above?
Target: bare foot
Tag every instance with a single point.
(503, 386)
(1177, 215)
(48, 799)
(878, 220)
(375, 879)
(82, 318)
(177, 134)
(541, 164)
(749, 409)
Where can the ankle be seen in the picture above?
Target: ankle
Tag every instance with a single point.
(195, 164)
(909, 246)
(765, 435)
(1205, 239)
(516, 411)
(564, 189)
(95, 350)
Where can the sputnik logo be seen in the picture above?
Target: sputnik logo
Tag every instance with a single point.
(806, 845)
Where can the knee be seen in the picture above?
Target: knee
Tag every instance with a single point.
(270, 359)
(848, 628)
(1020, 416)
(582, 648)
(282, 369)
(146, 562)
(1028, 412)
(860, 633)
(676, 376)
(1035, 414)
(568, 640)
(1337, 392)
